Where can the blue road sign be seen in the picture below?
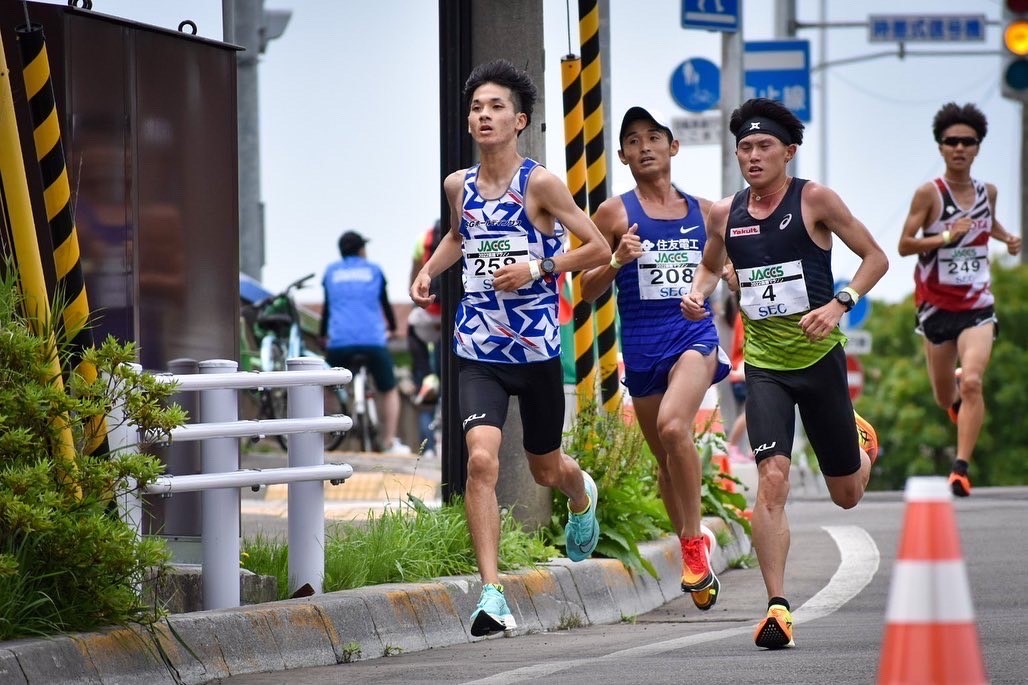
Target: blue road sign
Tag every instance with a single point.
(779, 70)
(696, 84)
(713, 15)
(926, 28)
(856, 317)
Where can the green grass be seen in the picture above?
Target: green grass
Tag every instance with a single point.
(407, 543)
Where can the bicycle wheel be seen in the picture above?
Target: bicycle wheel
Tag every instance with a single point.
(277, 401)
(335, 403)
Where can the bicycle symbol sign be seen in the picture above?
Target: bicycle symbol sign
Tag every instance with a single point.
(696, 84)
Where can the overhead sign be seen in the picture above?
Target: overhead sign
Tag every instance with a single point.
(713, 15)
(696, 84)
(926, 28)
(778, 70)
(700, 129)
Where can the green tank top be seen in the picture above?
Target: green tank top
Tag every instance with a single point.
(778, 343)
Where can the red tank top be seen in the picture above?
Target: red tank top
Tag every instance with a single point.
(955, 277)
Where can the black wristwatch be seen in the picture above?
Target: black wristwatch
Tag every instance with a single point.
(548, 266)
(845, 299)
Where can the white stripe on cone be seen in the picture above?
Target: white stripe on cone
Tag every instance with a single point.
(929, 592)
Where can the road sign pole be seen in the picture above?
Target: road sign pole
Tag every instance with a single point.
(731, 97)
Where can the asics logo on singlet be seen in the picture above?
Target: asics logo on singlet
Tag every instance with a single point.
(471, 418)
(765, 447)
(755, 125)
(683, 230)
(785, 222)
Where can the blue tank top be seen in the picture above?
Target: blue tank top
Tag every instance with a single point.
(651, 288)
(505, 327)
(354, 289)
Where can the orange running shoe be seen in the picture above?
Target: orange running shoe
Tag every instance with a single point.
(698, 577)
(775, 631)
(961, 485)
(866, 436)
(953, 412)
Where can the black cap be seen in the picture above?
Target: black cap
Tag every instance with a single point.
(351, 242)
(636, 113)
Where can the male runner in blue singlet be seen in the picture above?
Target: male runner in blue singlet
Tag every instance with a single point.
(778, 235)
(508, 216)
(658, 233)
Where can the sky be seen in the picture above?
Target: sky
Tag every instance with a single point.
(350, 126)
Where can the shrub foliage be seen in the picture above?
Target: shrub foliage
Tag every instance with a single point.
(67, 561)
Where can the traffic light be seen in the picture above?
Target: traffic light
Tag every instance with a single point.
(1014, 69)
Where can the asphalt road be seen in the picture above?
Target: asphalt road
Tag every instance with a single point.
(838, 582)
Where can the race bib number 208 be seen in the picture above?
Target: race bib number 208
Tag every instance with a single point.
(773, 290)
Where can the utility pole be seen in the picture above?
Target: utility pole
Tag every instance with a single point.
(247, 24)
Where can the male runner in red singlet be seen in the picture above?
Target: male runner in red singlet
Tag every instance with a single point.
(955, 215)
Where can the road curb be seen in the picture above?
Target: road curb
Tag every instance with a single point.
(365, 623)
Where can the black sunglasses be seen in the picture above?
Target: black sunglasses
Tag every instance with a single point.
(953, 141)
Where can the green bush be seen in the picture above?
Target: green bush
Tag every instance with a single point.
(67, 562)
(915, 435)
(630, 510)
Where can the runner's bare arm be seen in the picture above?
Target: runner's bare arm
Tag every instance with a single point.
(918, 218)
(555, 198)
(998, 231)
(611, 220)
(709, 271)
(449, 249)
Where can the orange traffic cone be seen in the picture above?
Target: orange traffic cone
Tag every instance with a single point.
(930, 634)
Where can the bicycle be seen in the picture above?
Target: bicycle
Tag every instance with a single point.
(276, 324)
(364, 412)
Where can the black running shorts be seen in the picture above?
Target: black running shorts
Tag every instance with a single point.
(822, 393)
(486, 388)
(941, 326)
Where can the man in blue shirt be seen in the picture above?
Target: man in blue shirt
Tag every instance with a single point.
(356, 314)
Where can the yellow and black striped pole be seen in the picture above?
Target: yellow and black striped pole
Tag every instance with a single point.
(72, 327)
(16, 215)
(596, 178)
(574, 154)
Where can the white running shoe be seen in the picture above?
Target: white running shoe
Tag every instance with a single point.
(397, 448)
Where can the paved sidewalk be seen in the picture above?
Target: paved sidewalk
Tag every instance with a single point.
(201, 647)
(366, 623)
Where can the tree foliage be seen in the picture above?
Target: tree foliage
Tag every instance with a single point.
(915, 435)
(67, 561)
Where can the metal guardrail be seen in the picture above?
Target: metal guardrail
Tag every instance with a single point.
(219, 430)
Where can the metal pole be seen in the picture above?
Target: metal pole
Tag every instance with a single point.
(181, 515)
(1023, 181)
(822, 96)
(306, 501)
(731, 97)
(456, 152)
(119, 438)
(220, 507)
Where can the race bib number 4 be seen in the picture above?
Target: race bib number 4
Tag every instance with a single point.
(483, 256)
(666, 273)
(964, 265)
(774, 290)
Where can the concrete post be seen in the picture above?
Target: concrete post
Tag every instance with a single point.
(497, 25)
(306, 505)
(221, 506)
